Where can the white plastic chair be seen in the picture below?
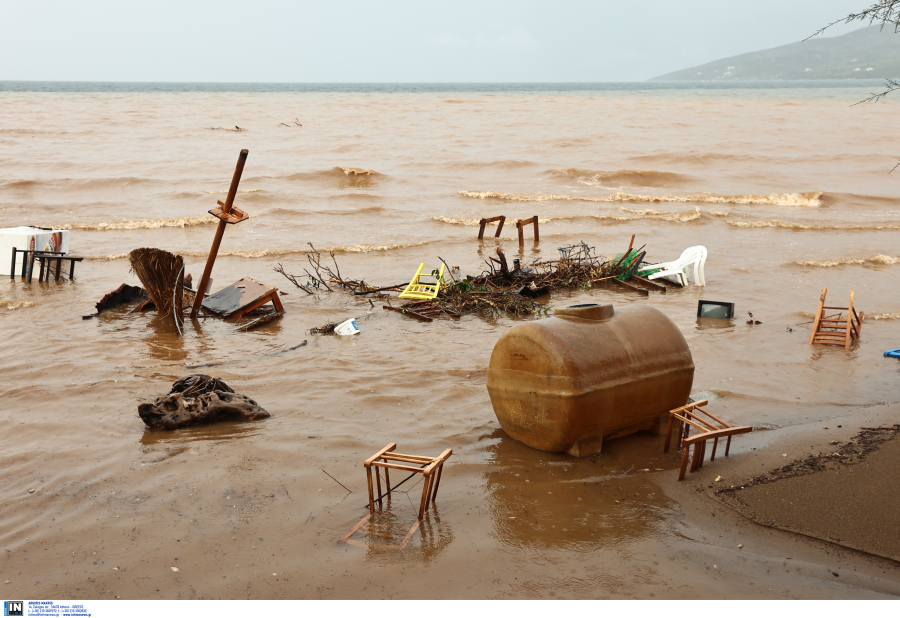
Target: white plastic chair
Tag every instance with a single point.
(678, 269)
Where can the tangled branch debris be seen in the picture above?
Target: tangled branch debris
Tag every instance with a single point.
(498, 289)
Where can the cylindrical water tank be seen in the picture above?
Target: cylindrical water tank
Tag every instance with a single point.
(591, 372)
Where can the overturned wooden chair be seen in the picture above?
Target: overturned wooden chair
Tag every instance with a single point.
(710, 428)
(430, 468)
(836, 331)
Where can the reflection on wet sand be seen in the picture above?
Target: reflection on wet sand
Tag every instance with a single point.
(389, 527)
(552, 500)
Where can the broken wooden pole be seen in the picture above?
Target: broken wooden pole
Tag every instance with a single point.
(226, 214)
(483, 223)
(520, 225)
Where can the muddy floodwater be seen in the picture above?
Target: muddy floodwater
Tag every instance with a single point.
(788, 188)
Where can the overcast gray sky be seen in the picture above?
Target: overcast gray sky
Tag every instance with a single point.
(392, 40)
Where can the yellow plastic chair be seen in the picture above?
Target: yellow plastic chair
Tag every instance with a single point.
(423, 291)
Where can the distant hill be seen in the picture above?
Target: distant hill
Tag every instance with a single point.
(862, 54)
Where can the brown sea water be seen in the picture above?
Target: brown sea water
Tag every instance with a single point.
(789, 190)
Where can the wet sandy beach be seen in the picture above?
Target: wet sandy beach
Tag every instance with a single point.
(787, 189)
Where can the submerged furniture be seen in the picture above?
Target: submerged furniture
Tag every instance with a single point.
(483, 223)
(46, 258)
(520, 226)
(429, 467)
(695, 256)
(710, 428)
(423, 291)
(590, 373)
(28, 238)
(242, 297)
(836, 331)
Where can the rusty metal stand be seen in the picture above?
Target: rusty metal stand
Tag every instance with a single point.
(227, 214)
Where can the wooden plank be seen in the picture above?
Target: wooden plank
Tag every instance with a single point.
(390, 447)
(382, 464)
(632, 287)
(437, 483)
(707, 413)
(721, 433)
(657, 286)
(411, 314)
(408, 458)
(819, 315)
(690, 406)
(704, 421)
(240, 295)
(691, 423)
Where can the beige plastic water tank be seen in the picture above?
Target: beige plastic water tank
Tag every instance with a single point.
(591, 372)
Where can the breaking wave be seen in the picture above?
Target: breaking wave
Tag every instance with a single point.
(641, 178)
(469, 222)
(649, 213)
(12, 305)
(805, 200)
(882, 316)
(225, 192)
(813, 226)
(875, 259)
(639, 214)
(361, 248)
(82, 184)
(141, 224)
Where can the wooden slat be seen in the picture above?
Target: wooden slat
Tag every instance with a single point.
(388, 448)
(691, 423)
(704, 421)
(715, 418)
(721, 433)
(382, 464)
(690, 406)
(819, 315)
(408, 458)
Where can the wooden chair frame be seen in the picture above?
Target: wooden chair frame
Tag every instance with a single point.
(829, 331)
(520, 226)
(712, 429)
(483, 223)
(430, 468)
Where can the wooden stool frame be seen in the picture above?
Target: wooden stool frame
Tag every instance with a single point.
(430, 467)
(520, 226)
(828, 331)
(483, 223)
(688, 417)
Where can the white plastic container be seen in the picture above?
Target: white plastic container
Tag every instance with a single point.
(347, 328)
(31, 239)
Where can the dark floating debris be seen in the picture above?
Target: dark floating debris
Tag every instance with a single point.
(196, 400)
(120, 296)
